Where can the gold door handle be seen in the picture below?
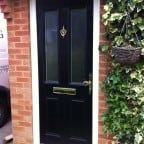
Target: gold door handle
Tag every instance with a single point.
(87, 83)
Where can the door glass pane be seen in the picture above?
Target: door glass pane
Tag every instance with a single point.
(78, 44)
(51, 45)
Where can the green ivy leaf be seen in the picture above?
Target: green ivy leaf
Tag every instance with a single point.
(137, 1)
(119, 40)
(142, 50)
(137, 20)
(108, 6)
(103, 48)
(141, 27)
(136, 89)
(116, 16)
(106, 16)
(138, 138)
(133, 75)
(113, 30)
(131, 5)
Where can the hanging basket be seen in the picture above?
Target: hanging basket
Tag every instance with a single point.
(126, 55)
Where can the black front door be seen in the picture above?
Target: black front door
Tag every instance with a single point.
(65, 71)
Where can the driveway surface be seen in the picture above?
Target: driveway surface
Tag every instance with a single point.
(5, 131)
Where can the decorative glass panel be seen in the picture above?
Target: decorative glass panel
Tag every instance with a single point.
(51, 45)
(78, 44)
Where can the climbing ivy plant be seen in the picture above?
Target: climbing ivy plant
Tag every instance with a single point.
(124, 90)
(120, 29)
(124, 85)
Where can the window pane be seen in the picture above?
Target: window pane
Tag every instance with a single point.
(78, 44)
(51, 45)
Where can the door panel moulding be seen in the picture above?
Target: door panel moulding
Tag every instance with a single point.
(35, 82)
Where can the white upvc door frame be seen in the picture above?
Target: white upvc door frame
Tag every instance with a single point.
(35, 80)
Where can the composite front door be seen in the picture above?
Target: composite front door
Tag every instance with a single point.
(65, 71)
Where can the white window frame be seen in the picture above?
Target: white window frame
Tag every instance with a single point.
(35, 80)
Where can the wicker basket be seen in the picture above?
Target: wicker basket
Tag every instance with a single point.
(126, 55)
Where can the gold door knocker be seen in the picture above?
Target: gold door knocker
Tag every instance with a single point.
(63, 32)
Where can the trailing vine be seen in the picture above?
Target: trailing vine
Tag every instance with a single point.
(124, 90)
(114, 18)
(124, 85)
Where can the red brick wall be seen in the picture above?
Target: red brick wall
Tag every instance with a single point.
(20, 71)
(103, 70)
(5, 7)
